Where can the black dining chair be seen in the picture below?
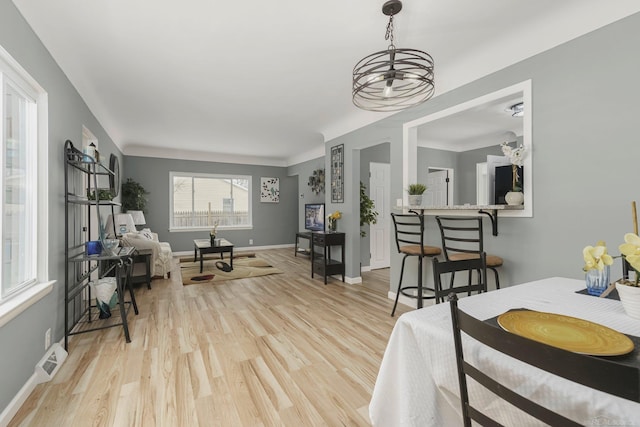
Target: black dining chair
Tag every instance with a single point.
(463, 238)
(598, 373)
(409, 232)
(450, 267)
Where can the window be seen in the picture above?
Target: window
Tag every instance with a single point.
(198, 201)
(23, 158)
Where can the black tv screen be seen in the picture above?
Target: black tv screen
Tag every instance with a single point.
(314, 216)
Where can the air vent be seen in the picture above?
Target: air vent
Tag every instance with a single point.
(50, 363)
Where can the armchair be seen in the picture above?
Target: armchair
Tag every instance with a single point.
(162, 256)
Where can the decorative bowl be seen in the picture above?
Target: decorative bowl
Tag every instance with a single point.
(110, 245)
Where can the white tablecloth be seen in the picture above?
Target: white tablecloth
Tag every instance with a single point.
(418, 386)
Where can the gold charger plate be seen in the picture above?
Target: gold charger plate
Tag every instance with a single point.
(565, 332)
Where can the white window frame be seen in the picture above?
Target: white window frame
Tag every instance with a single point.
(19, 299)
(174, 174)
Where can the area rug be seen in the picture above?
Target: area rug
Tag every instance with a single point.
(243, 267)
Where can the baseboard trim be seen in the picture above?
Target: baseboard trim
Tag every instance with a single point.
(353, 280)
(18, 400)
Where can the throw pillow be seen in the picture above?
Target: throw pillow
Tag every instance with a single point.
(146, 233)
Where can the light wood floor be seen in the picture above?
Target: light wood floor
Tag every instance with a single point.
(275, 350)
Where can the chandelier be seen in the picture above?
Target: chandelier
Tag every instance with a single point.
(393, 79)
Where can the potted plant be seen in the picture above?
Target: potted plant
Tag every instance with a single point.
(628, 290)
(516, 157)
(415, 194)
(134, 196)
(367, 214)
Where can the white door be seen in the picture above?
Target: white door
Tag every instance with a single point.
(437, 193)
(379, 233)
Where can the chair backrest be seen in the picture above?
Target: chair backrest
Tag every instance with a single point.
(443, 267)
(598, 373)
(461, 234)
(409, 229)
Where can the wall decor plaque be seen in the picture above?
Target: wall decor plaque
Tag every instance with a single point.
(337, 174)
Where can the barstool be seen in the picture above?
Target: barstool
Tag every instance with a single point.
(409, 229)
(462, 239)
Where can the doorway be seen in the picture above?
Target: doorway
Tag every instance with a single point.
(439, 187)
(379, 242)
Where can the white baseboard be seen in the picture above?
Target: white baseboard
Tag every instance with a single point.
(365, 268)
(352, 280)
(18, 400)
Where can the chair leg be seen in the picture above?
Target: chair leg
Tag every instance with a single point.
(495, 271)
(393, 312)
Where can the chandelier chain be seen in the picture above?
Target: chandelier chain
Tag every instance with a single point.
(389, 34)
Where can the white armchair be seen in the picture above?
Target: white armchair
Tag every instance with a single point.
(162, 256)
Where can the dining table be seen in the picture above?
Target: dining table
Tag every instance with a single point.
(417, 384)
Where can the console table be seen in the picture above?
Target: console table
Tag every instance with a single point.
(321, 261)
(302, 235)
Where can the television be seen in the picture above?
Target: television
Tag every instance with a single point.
(314, 216)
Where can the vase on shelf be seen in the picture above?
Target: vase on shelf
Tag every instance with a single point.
(514, 198)
(630, 299)
(333, 224)
(598, 280)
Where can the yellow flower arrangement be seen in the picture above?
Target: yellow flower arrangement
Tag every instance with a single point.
(333, 220)
(335, 216)
(596, 257)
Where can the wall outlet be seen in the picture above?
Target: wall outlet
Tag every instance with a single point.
(399, 203)
(47, 339)
(251, 241)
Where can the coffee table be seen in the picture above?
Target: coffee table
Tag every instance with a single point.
(204, 247)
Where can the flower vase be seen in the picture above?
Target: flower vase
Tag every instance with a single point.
(213, 238)
(514, 198)
(333, 224)
(598, 280)
(630, 299)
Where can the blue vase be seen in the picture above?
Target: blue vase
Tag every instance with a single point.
(598, 280)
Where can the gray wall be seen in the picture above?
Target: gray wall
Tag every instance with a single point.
(22, 339)
(377, 154)
(301, 172)
(585, 171)
(273, 223)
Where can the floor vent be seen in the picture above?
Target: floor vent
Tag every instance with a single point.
(50, 363)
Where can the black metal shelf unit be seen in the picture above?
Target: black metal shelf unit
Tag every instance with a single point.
(81, 174)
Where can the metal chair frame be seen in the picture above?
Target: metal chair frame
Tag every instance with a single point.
(443, 267)
(452, 230)
(598, 373)
(409, 231)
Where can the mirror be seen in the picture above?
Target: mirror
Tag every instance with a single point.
(455, 151)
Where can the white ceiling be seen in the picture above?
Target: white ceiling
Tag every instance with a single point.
(268, 82)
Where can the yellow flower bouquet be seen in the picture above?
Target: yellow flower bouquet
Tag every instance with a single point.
(597, 264)
(333, 220)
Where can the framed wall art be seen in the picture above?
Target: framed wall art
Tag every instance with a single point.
(270, 190)
(337, 174)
